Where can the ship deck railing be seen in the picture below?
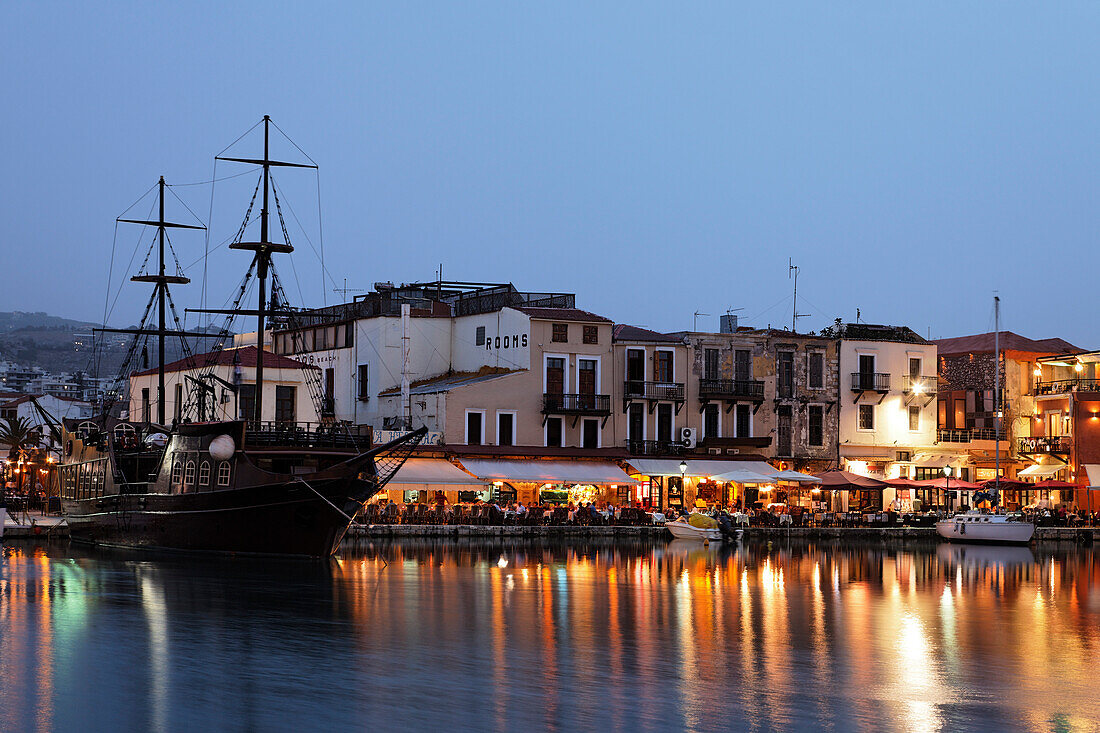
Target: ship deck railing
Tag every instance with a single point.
(307, 435)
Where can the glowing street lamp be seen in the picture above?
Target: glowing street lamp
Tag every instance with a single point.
(683, 480)
(947, 485)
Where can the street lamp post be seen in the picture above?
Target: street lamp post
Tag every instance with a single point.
(947, 490)
(683, 481)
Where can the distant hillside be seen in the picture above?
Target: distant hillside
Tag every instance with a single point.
(60, 345)
(19, 320)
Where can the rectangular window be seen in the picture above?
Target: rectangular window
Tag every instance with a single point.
(710, 364)
(866, 417)
(349, 334)
(744, 421)
(479, 338)
(914, 368)
(586, 376)
(506, 428)
(178, 411)
(555, 375)
(475, 428)
(710, 421)
(364, 382)
(742, 365)
(662, 366)
(330, 385)
(145, 404)
(246, 402)
(635, 365)
(285, 397)
(635, 423)
(914, 418)
(590, 334)
(786, 374)
(664, 423)
(817, 370)
(783, 431)
(816, 421)
(560, 333)
(553, 432)
(590, 434)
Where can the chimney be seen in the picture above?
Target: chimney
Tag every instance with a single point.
(727, 323)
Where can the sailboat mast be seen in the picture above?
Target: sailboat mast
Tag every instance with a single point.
(997, 393)
(263, 256)
(161, 287)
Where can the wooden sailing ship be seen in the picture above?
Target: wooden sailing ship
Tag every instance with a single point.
(237, 486)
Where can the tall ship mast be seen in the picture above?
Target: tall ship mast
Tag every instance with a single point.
(231, 483)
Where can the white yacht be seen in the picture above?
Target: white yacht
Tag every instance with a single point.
(976, 526)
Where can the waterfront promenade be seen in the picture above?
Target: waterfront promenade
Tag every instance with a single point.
(35, 526)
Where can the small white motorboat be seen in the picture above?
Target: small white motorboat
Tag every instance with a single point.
(975, 526)
(681, 530)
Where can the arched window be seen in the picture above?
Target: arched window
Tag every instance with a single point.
(223, 473)
(85, 429)
(124, 430)
(204, 473)
(189, 474)
(177, 472)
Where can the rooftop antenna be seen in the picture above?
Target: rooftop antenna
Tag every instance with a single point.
(345, 290)
(792, 271)
(695, 323)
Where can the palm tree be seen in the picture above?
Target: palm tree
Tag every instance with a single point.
(19, 435)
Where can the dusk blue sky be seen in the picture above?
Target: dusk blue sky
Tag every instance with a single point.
(656, 159)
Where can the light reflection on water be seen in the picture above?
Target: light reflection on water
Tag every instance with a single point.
(509, 635)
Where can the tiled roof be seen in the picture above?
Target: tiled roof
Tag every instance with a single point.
(245, 357)
(874, 332)
(447, 382)
(562, 314)
(982, 343)
(623, 332)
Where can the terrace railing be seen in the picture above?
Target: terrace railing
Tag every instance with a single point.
(576, 404)
(870, 382)
(341, 436)
(919, 385)
(641, 390)
(1056, 444)
(1062, 386)
(751, 389)
(654, 447)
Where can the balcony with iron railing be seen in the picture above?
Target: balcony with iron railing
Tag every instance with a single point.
(1057, 444)
(966, 435)
(576, 404)
(1064, 386)
(641, 390)
(919, 385)
(870, 382)
(731, 389)
(654, 447)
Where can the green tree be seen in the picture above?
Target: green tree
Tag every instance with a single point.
(19, 435)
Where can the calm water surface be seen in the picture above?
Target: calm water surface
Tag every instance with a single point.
(512, 636)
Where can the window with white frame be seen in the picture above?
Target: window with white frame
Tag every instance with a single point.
(223, 473)
(475, 427)
(189, 474)
(506, 428)
(204, 473)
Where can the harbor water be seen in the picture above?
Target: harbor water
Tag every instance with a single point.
(492, 635)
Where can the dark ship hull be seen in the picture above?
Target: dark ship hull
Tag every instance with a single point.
(287, 518)
(286, 491)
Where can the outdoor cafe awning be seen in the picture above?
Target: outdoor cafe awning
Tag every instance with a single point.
(697, 467)
(795, 477)
(1093, 472)
(1037, 469)
(936, 460)
(431, 474)
(600, 473)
